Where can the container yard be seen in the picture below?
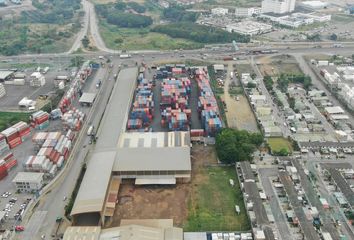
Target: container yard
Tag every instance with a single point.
(177, 98)
(14, 136)
(207, 104)
(75, 87)
(143, 105)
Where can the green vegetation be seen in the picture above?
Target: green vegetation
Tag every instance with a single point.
(129, 20)
(58, 12)
(199, 33)
(268, 82)
(235, 146)
(142, 38)
(7, 119)
(212, 203)
(280, 146)
(179, 14)
(45, 29)
(69, 206)
(342, 18)
(284, 80)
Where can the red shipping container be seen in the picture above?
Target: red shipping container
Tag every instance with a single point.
(10, 164)
(3, 171)
(15, 142)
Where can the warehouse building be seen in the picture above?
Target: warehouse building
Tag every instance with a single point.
(249, 28)
(146, 158)
(146, 229)
(28, 181)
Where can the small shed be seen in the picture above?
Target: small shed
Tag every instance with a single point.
(87, 99)
(219, 68)
(5, 75)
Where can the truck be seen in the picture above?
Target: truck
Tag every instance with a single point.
(90, 130)
(45, 70)
(124, 56)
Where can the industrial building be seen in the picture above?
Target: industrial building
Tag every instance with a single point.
(313, 5)
(219, 11)
(145, 157)
(28, 181)
(146, 229)
(247, 12)
(278, 6)
(249, 28)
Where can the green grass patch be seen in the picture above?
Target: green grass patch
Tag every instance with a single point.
(8, 119)
(342, 18)
(213, 200)
(310, 26)
(141, 38)
(278, 143)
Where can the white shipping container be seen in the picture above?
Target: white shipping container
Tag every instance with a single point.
(322, 63)
(19, 82)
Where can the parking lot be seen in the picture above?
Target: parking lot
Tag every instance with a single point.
(14, 93)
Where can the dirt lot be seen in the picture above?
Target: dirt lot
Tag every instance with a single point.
(207, 203)
(161, 202)
(273, 66)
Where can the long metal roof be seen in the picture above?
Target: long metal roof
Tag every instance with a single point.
(91, 195)
(153, 159)
(92, 192)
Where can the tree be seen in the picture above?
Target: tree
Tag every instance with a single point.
(235, 146)
(120, 6)
(251, 85)
(85, 41)
(333, 37)
(76, 61)
(268, 82)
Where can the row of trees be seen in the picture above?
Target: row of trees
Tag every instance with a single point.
(179, 14)
(284, 80)
(235, 146)
(129, 20)
(199, 33)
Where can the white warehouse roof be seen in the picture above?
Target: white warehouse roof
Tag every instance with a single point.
(28, 177)
(334, 110)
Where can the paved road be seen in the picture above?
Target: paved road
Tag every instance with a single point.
(277, 116)
(316, 81)
(306, 225)
(279, 218)
(311, 194)
(253, 195)
(83, 31)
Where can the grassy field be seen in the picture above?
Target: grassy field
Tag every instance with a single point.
(342, 18)
(212, 202)
(277, 143)
(138, 39)
(9, 118)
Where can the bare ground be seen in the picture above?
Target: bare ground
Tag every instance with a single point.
(144, 202)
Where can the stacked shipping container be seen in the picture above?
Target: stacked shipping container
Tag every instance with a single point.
(40, 120)
(6, 164)
(73, 119)
(4, 147)
(175, 94)
(14, 136)
(143, 106)
(207, 104)
(54, 149)
(75, 87)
